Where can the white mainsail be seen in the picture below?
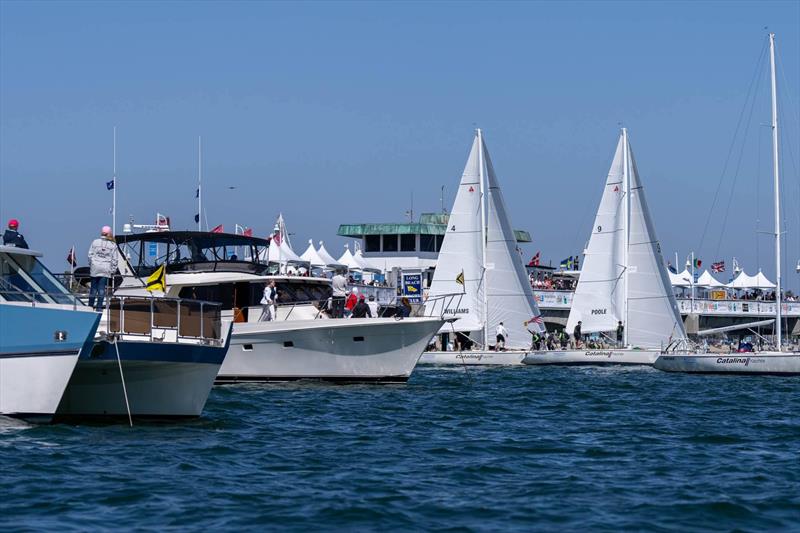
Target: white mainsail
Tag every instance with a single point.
(653, 317)
(599, 300)
(461, 253)
(509, 298)
(508, 291)
(623, 250)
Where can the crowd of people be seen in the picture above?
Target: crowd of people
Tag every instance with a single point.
(546, 282)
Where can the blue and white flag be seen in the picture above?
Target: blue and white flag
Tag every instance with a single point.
(110, 185)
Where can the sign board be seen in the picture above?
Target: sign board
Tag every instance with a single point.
(152, 249)
(412, 287)
(718, 295)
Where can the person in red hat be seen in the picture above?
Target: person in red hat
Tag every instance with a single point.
(12, 237)
(361, 309)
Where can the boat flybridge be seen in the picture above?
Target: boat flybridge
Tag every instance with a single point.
(768, 362)
(623, 280)
(300, 342)
(43, 332)
(479, 279)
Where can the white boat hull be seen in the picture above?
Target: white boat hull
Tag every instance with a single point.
(156, 389)
(345, 350)
(32, 387)
(592, 357)
(474, 357)
(764, 363)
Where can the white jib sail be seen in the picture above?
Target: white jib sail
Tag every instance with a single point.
(653, 316)
(599, 301)
(461, 252)
(509, 294)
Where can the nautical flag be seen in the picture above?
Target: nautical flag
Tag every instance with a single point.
(110, 185)
(71, 258)
(671, 268)
(197, 218)
(248, 232)
(697, 263)
(536, 319)
(157, 280)
(218, 229)
(460, 278)
(719, 266)
(567, 263)
(277, 238)
(534, 260)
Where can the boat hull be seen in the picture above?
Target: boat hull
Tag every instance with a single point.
(380, 350)
(473, 357)
(592, 357)
(170, 380)
(39, 349)
(779, 364)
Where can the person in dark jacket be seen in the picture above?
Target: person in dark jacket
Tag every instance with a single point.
(12, 237)
(576, 335)
(361, 309)
(620, 334)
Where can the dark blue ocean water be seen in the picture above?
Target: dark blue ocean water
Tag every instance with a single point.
(494, 449)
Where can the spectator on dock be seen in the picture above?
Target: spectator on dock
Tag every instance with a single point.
(102, 266)
(12, 236)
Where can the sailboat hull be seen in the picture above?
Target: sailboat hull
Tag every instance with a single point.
(592, 357)
(473, 357)
(764, 363)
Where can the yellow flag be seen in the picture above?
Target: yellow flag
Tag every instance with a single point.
(157, 280)
(460, 278)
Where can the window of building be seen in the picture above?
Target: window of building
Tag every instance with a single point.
(390, 243)
(408, 243)
(427, 243)
(372, 243)
(439, 241)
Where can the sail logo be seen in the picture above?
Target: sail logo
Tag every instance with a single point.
(464, 311)
(599, 311)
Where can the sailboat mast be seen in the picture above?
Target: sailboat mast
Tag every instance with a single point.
(114, 189)
(199, 183)
(483, 240)
(625, 229)
(777, 192)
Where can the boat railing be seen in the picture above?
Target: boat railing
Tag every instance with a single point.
(11, 294)
(443, 301)
(164, 319)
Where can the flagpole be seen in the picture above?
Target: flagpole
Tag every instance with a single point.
(114, 189)
(199, 183)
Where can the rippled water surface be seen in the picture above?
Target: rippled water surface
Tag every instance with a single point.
(492, 449)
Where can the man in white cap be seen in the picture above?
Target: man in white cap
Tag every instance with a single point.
(102, 266)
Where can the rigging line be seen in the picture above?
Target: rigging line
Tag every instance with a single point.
(738, 165)
(761, 57)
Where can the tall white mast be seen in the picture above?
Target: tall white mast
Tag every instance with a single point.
(483, 240)
(114, 188)
(199, 183)
(777, 192)
(626, 193)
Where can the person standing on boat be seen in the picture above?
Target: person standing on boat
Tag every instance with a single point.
(102, 266)
(620, 331)
(351, 302)
(339, 286)
(12, 237)
(361, 309)
(373, 306)
(501, 334)
(576, 335)
(267, 302)
(536, 340)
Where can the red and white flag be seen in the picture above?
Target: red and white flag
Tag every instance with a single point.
(71, 258)
(218, 229)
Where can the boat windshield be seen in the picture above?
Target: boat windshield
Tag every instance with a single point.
(23, 278)
(193, 251)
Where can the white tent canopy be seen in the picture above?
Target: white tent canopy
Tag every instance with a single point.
(355, 262)
(282, 253)
(683, 279)
(311, 256)
(328, 258)
(707, 280)
(746, 281)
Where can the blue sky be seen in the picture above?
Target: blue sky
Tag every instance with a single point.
(336, 112)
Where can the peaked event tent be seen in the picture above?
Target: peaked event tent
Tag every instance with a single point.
(282, 253)
(355, 262)
(707, 280)
(328, 258)
(746, 281)
(683, 279)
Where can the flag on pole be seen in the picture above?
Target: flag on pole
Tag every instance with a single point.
(718, 267)
(535, 320)
(218, 229)
(248, 232)
(534, 260)
(110, 185)
(197, 218)
(71, 258)
(460, 278)
(567, 263)
(697, 263)
(157, 280)
(276, 238)
(671, 268)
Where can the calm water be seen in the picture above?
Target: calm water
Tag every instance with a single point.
(494, 449)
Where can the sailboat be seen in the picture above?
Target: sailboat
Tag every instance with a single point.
(623, 278)
(480, 281)
(777, 362)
